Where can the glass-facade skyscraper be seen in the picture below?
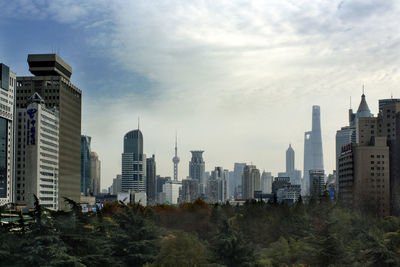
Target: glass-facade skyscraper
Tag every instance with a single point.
(85, 164)
(133, 163)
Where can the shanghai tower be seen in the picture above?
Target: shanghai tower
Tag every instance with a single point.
(313, 156)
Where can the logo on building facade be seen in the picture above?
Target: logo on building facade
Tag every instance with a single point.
(31, 127)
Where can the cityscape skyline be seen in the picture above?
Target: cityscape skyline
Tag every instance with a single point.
(211, 112)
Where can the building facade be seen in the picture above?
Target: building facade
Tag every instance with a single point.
(52, 83)
(250, 182)
(95, 174)
(317, 181)
(151, 180)
(7, 125)
(190, 190)
(133, 163)
(85, 164)
(313, 155)
(37, 171)
(266, 182)
(197, 169)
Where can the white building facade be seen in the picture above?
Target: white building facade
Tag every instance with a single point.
(38, 154)
(7, 95)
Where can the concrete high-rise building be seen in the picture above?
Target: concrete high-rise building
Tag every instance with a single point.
(290, 159)
(117, 185)
(7, 100)
(266, 182)
(317, 182)
(250, 181)
(176, 160)
(52, 82)
(95, 174)
(190, 190)
(238, 172)
(389, 127)
(347, 135)
(85, 164)
(363, 174)
(151, 180)
(133, 163)
(197, 169)
(218, 185)
(171, 191)
(37, 171)
(160, 181)
(313, 155)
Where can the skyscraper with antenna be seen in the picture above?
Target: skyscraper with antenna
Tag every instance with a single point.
(176, 159)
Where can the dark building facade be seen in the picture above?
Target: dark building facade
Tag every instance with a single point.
(52, 82)
(85, 164)
(151, 180)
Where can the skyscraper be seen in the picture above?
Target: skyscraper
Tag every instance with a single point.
(347, 135)
(7, 90)
(266, 182)
(290, 159)
(295, 175)
(313, 156)
(250, 181)
(133, 163)
(237, 173)
(85, 164)
(151, 180)
(52, 82)
(95, 174)
(176, 160)
(197, 169)
(37, 171)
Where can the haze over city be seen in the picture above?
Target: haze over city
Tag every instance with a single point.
(237, 80)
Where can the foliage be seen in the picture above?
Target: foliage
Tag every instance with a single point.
(317, 233)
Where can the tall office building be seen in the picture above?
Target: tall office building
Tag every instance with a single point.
(250, 181)
(218, 185)
(313, 156)
(364, 180)
(52, 82)
(197, 169)
(266, 182)
(176, 160)
(317, 182)
(151, 180)
(190, 190)
(37, 161)
(238, 172)
(295, 175)
(133, 163)
(85, 164)
(347, 135)
(290, 159)
(7, 100)
(116, 185)
(95, 174)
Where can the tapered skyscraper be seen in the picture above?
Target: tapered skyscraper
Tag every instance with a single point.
(290, 159)
(313, 156)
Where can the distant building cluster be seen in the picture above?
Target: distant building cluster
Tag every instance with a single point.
(44, 154)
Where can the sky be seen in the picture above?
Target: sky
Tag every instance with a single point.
(236, 79)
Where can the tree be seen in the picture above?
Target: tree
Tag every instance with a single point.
(180, 249)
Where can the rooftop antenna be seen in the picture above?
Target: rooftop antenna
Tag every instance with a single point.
(363, 89)
(138, 122)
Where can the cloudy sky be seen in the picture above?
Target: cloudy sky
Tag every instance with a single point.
(234, 78)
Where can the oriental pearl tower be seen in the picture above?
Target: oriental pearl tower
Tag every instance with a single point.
(176, 160)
